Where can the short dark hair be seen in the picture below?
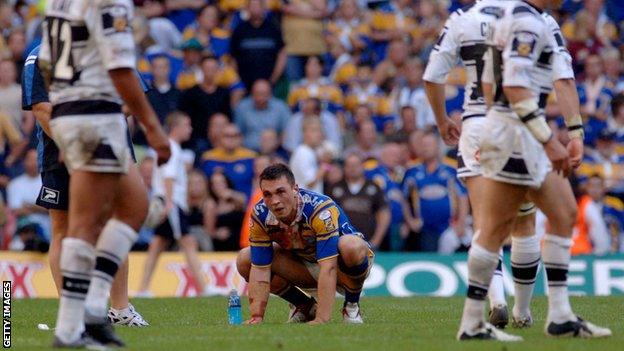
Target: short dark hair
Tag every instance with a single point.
(277, 171)
(208, 55)
(616, 103)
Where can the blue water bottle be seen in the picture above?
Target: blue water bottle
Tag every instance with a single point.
(235, 315)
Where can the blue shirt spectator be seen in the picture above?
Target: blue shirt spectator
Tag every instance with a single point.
(259, 112)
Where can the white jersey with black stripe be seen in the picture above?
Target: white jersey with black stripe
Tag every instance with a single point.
(554, 63)
(82, 41)
(520, 41)
(463, 40)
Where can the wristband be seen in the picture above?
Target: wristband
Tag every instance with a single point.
(533, 117)
(575, 127)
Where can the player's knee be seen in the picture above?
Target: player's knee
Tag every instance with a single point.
(352, 249)
(243, 263)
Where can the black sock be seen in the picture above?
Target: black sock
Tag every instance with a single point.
(295, 296)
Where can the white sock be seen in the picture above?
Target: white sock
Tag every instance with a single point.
(525, 257)
(481, 266)
(496, 292)
(556, 257)
(77, 260)
(112, 248)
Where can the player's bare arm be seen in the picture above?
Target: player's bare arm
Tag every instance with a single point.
(259, 289)
(42, 112)
(326, 289)
(568, 101)
(449, 131)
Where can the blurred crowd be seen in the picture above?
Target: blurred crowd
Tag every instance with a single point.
(332, 88)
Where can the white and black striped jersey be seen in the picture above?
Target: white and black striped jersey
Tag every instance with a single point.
(82, 41)
(521, 44)
(463, 39)
(554, 63)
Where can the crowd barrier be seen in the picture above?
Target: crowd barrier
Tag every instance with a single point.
(394, 274)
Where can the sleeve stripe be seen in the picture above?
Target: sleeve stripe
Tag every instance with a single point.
(327, 235)
(327, 258)
(260, 244)
(261, 266)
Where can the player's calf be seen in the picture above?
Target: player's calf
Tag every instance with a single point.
(354, 265)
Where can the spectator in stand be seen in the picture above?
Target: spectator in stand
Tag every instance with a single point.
(164, 32)
(191, 71)
(362, 200)
(163, 97)
(436, 198)
(387, 175)
(412, 94)
(16, 43)
(408, 122)
(391, 20)
(216, 125)
(314, 85)
(347, 29)
(591, 235)
(204, 100)
(22, 193)
(258, 47)
(604, 161)
(363, 90)
(388, 72)
(225, 209)
(304, 163)
(302, 25)
(207, 32)
(198, 197)
(613, 69)
(9, 136)
(259, 112)
(182, 12)
(11, 92)
(231, 158)
(366, 143)
(270, 146)
(617, 123)
(311, 108)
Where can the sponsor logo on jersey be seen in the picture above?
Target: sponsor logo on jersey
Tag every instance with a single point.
(50, 195)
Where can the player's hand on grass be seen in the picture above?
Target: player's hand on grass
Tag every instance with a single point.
(254, 320)
(575, 150)
(558, 155)
(450, 132)
(158, 140)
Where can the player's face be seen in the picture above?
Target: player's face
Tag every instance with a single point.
(280, 197)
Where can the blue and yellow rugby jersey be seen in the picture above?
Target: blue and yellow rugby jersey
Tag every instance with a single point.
(329, 93)
(237, 166)
(313, 236)
(612, 172)
(613, 212)
(218, 42)
(379, 174)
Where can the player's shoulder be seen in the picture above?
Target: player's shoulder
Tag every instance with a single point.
(260, 211)
(313, 203)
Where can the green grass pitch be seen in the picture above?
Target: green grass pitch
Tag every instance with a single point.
(392, 324)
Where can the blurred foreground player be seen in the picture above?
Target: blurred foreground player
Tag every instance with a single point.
(520, 158)
(54, 195)
(87, 57)
(302, 240)
(463, 37)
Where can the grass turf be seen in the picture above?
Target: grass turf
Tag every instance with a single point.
(392, 324)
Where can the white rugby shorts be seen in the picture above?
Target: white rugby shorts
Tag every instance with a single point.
(95, 143)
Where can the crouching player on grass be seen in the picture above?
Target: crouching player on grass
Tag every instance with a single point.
(302, 240)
